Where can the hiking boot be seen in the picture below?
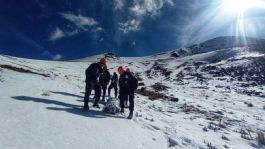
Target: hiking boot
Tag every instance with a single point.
(122, 111)
(96, 106)
(86, 108)
(130, 116)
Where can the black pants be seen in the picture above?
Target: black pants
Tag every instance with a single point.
(125, 95)
(89, 87)
(126, 101)
(113, 85)
(104, 88)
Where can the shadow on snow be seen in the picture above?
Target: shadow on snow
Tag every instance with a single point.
(70, 108)
(67, 94)
(73, 95)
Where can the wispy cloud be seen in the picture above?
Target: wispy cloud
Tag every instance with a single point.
(41, 5)
(148, 7)
(170, 2)
(118, 4)
(140, 9)
(79, 24)
(57, 57)
(133, 43)
(48, 54)
(57, 34)
(131, 25)
(82, 22)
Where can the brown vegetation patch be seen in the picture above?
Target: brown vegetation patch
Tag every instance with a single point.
(151, 94)
(159, 87)
(22, 70)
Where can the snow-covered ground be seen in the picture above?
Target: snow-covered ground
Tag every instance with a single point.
(43, 108)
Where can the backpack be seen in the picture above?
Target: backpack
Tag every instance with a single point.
(128, 81)
(134, 83)
(111, 106)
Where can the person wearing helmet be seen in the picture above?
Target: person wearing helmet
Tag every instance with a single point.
(128, 84)
(114, 84)
(92, 74)
(104, 79)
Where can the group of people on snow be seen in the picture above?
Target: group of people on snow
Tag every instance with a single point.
(98, 78)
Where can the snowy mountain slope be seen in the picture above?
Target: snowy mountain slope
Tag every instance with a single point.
(219, 43)
(227, 42)
(220, 92)
(45, 112)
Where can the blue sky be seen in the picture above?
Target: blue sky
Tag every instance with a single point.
(72, 29)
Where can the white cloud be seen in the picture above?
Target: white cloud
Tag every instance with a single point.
(170, 2)
(101, 39)
(57, 34)
(73, 32)
(139, 10)
(80, 21)
(41, 5)
(81, 24)
(57, 57)
(131, 25)
(99, 29)
(46, 53)
(118, 4)
(148, 7)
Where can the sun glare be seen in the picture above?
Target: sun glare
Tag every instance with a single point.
(240, 6)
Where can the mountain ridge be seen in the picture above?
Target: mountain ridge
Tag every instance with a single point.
(222, 42)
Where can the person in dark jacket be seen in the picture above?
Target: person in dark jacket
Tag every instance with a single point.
(126, 100)
(114, 84)
(92, 74)
(128, 84)
(104, 79)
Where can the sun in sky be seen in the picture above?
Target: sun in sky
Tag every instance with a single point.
(239, 7)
